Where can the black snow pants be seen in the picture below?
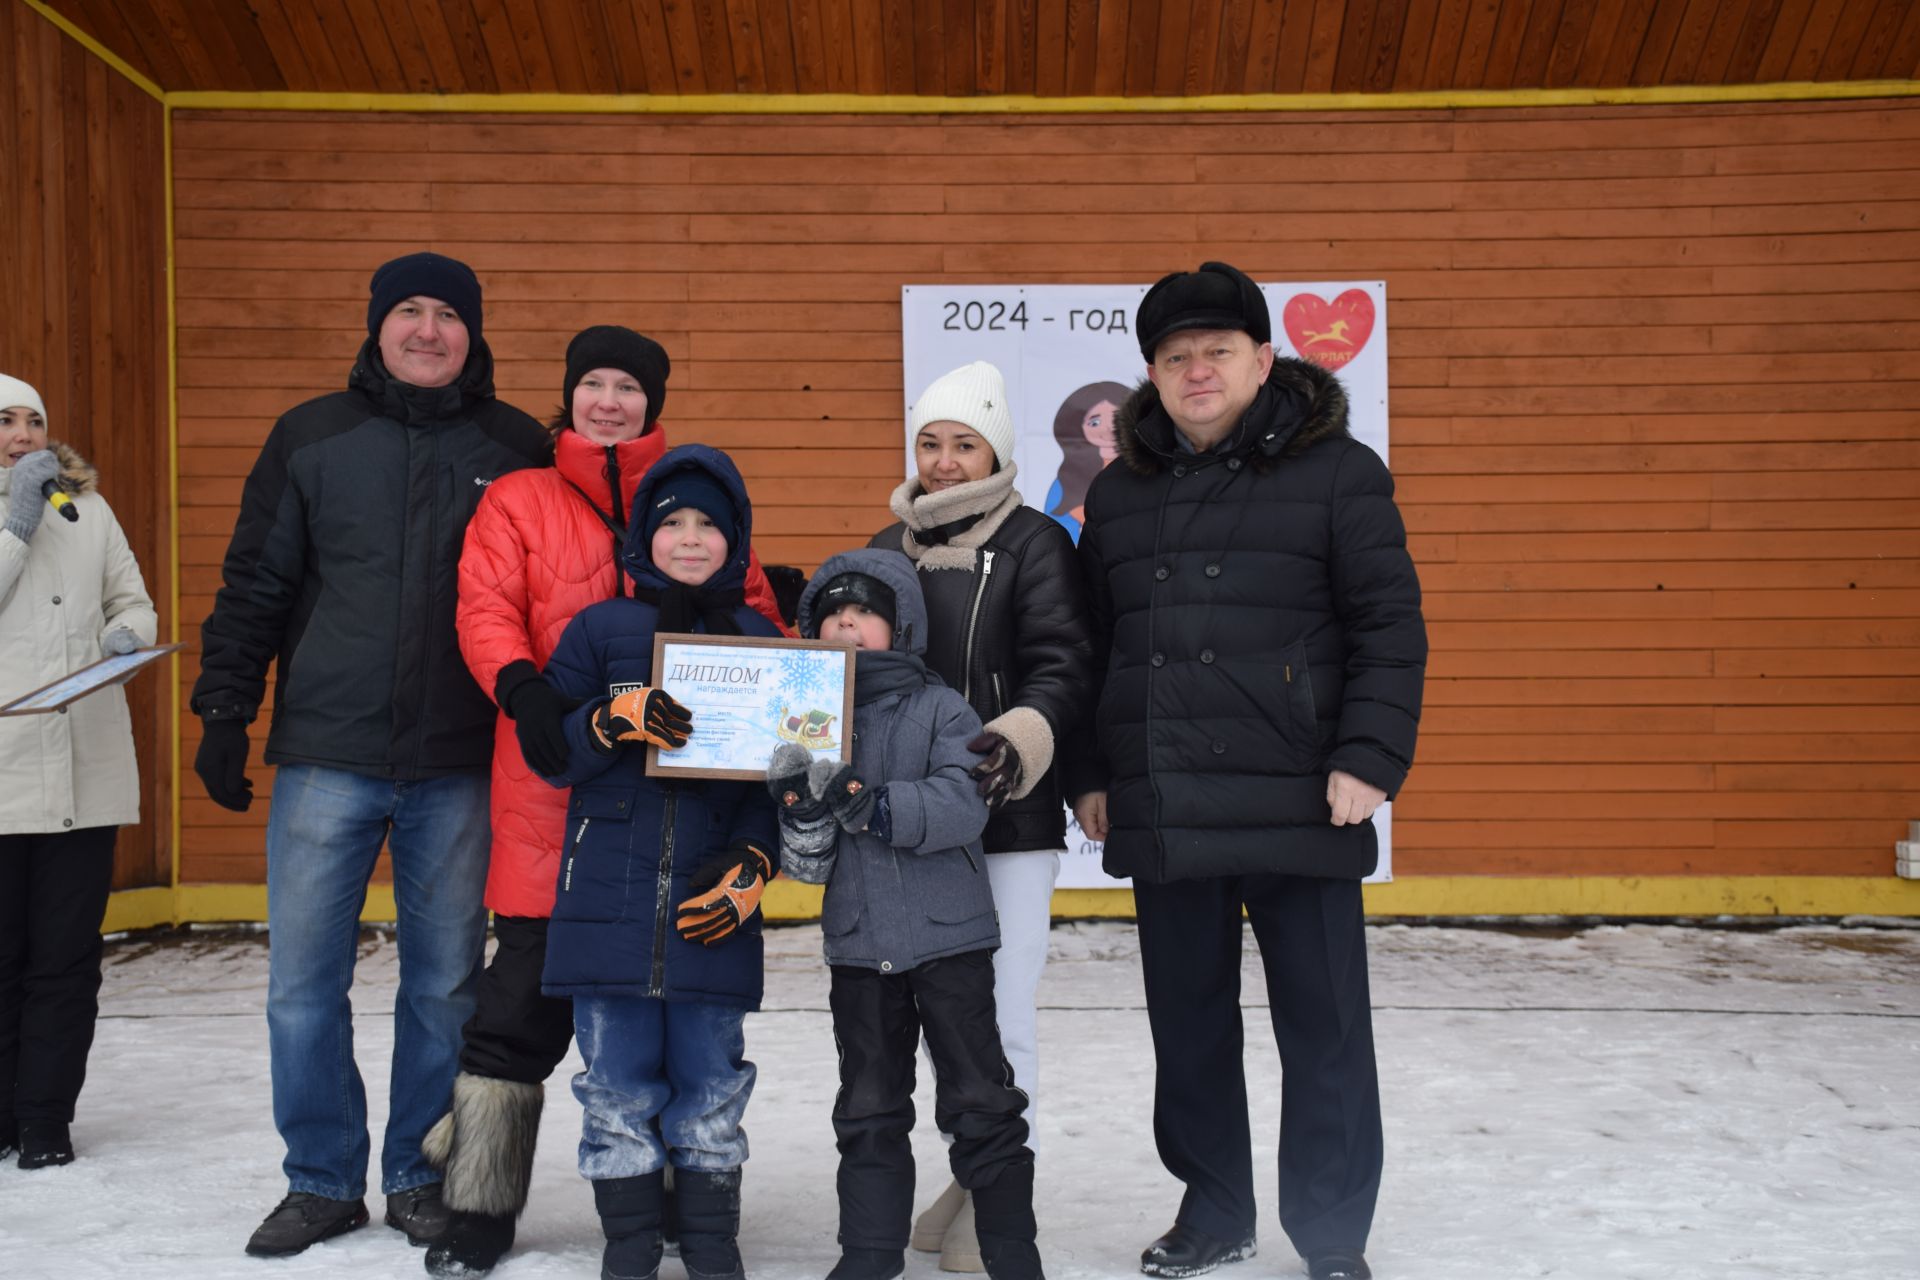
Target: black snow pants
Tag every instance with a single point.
(877, 1022)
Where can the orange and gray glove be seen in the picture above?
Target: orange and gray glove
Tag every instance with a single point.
(727, 886)
(643, 715)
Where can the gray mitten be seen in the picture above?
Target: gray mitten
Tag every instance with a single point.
(807, 828)
(118, 641)
(25, 503)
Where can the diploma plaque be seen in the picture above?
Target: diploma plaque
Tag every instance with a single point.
(748, 695)
(109, 671)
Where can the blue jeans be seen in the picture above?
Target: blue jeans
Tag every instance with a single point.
(665, 1081)
(323, 835)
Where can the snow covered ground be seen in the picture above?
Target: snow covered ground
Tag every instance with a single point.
(1601, 1104)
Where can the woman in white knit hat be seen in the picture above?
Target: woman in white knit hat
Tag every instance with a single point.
(1007, 623)
(70, 593)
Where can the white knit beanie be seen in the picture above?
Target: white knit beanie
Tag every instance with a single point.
(17, 394)
(974, 395)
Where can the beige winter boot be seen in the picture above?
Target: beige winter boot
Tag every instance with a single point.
(930, 1228)
(961, 1249)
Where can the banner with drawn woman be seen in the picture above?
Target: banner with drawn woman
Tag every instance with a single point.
(1071, 359)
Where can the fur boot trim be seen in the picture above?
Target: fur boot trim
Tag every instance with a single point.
(487, 1161)
(1029, 734)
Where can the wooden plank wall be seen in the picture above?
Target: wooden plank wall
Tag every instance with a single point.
(83, 318)
(1653, 390)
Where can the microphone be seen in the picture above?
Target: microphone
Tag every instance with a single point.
(54, 494)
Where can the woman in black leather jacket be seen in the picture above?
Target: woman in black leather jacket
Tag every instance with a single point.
(1008, 628)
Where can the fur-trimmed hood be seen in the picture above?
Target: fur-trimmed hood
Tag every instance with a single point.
(1299, 404)
(77, 475)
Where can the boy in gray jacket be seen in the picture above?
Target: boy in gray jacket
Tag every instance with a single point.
(909, 928)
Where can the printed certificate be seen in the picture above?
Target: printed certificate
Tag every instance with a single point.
(748, 695)
(109, 671)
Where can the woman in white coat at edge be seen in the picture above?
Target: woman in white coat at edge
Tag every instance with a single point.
(70, 593)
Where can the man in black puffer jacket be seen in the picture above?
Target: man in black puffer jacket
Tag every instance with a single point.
(1258, 623)
(343, 568)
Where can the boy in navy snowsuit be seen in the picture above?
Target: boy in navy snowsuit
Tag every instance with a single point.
(656, 927)
(909, 928)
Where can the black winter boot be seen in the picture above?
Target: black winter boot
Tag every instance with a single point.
(869, 1264)
(630, 1217)
(484, 1150)
(708, 1206)
(44, 1145)
(1003, 1218)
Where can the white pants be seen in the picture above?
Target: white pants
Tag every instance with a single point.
(1023, 896)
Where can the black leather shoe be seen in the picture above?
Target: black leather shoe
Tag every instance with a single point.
(1189, 1251)
(44, 1145)
(1338, 1264)
(301, 1220)
(419, 1212)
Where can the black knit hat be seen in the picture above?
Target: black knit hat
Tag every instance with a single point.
(612, 346)
(425, 275)
(852, 588)
(696, 488)
(1216, 296)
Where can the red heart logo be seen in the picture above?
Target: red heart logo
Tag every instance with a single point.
(1329, 333)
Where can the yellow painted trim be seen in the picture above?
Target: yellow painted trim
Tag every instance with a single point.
(173, 481)
(138, 909)
(98, 50)
(906, 104)
(247, 903)
(1690, 897)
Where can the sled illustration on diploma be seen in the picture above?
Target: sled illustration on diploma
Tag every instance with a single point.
(810, 729)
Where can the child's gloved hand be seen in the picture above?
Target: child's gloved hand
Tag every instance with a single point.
(727, 886)
(643, 715)
(850, 798)
(787, 783)
(994, 777)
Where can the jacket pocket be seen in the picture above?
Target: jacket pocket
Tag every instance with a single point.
(598, 844)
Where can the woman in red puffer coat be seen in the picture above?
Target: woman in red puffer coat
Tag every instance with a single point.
(541, 547)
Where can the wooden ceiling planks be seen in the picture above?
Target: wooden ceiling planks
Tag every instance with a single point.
(963, 48)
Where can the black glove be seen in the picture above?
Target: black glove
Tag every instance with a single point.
(727, 885)
(850, 798)
(221, 763)
(539, 713)
(996, 775)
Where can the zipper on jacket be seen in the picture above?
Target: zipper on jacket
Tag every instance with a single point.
(566, 879)
(619, 518)
(973, 617)
(663, 893)
(999, 695)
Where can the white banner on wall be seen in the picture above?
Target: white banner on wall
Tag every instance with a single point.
(1070, 357)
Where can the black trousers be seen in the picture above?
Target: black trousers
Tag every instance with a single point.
(53, 896)
(877, 1022)
(516, 1033)
(1313, 947)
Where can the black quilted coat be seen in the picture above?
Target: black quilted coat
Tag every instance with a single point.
(1257, 619)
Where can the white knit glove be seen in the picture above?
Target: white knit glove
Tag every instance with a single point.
(120, 640)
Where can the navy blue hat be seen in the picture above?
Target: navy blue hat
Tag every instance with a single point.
(427, 275)
(1216, 296)
(696, 488)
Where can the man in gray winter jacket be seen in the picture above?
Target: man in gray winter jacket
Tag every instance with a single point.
(909, 928)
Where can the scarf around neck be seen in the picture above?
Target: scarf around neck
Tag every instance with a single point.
(879, 672)
(680, 606)
(934, 519)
